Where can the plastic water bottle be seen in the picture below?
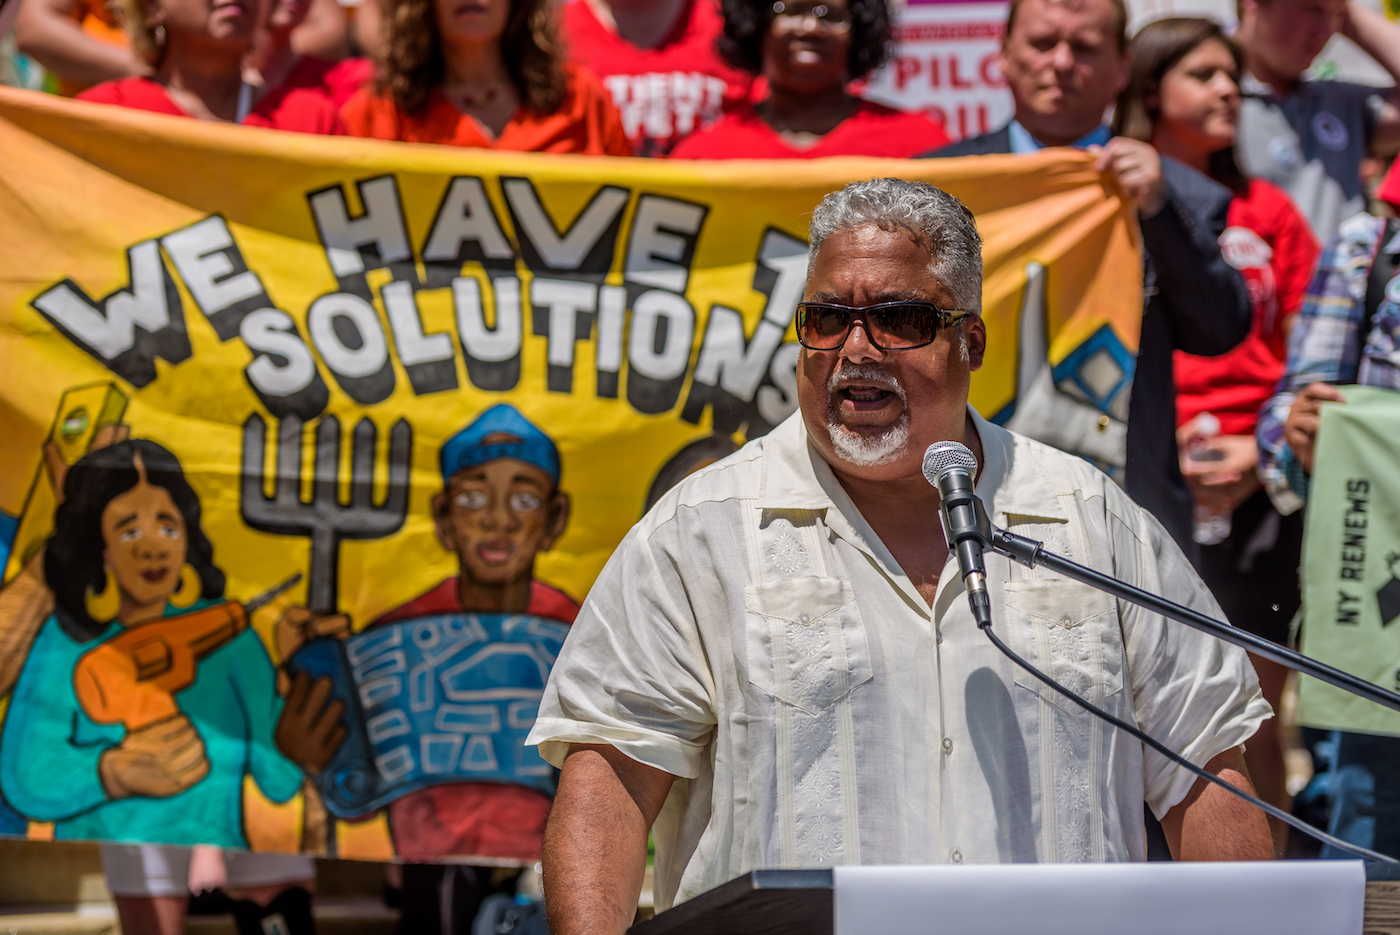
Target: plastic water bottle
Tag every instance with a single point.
(1210, 528)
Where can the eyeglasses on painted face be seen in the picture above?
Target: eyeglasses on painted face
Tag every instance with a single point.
(890, 326)
(789, 15)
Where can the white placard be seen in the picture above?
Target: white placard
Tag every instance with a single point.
(945, 64)
(1264, 898)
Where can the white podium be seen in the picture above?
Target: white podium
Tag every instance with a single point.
(1272, 898)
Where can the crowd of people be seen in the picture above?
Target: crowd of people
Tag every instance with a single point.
(1266, 282)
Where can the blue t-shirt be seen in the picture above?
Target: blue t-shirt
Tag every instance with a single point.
(50, 747)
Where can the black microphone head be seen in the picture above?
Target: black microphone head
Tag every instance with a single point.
(945, 456)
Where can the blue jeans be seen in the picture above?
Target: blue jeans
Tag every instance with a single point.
(1364, 793)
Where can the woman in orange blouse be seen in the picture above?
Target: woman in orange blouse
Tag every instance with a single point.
(485, 73)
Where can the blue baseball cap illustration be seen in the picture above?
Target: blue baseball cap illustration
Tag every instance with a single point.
(468, 448)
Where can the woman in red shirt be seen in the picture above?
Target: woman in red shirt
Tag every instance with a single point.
(1183, 97)
(483, 73)
(810, 53)
(195, 49)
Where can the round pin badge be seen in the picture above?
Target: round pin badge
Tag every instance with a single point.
(1283, 151)
(1244, 249)
(1392, 290)
(1330, 131)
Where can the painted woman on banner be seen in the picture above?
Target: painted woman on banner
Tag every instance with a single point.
(145, 697)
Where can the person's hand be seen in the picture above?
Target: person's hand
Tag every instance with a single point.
(309, 731)
(299, 626)
(1300, 428)
(1138, 169)
(1227, 478)
(157, 761)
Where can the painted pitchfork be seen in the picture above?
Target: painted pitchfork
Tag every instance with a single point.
(325, 519)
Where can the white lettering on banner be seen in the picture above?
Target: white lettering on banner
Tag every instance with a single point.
(665, 104)
(273, 334)
(945, 64)
(112, 331)
(492, 344)
(643, 331)
(378, 227)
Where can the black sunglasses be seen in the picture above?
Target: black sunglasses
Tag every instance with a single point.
(890, 326)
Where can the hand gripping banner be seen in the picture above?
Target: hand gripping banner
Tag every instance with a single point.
(312, 445)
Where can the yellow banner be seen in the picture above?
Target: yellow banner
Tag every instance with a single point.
(439, 385)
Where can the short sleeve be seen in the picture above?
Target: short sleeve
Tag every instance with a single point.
(632, 672)
(1194, 693)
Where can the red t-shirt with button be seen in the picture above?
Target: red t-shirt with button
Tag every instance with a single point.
(873, 130)
(300, 109)
(666, 93)
(1273, 247)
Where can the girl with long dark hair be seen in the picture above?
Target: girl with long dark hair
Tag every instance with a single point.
(484, 73)
(1183, 97)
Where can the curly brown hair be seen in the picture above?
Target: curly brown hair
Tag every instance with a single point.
(414, 64)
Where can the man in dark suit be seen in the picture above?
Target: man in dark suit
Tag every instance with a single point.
(1066, 62)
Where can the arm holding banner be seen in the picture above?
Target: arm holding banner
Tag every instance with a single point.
(1324, 348)
(595, 848)
(1208, 309)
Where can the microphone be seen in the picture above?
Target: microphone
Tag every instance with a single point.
(951, 468)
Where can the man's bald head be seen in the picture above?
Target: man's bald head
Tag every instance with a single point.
(1065, 61)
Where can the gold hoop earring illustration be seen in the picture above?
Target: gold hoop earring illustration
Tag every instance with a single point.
(189, 590)
(103, 607)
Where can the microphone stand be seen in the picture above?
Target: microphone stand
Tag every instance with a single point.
(1031, 553)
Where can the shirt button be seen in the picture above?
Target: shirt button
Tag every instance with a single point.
(1067, 620)
(947, 744)
(956, 856)
(804, 620)
(938, 636)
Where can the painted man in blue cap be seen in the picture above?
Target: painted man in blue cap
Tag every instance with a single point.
(500, 506)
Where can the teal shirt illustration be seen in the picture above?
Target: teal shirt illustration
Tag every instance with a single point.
(49, 748)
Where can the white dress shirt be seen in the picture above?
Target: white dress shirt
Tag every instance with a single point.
(754, 637)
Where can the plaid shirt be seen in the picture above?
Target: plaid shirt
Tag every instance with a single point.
(1327, 347)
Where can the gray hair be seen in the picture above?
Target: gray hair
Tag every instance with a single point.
(939, 222)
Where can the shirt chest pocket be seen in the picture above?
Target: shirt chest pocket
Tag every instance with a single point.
(1070, 632)
(805, 640)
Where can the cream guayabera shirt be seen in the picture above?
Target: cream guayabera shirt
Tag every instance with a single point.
(754, 637)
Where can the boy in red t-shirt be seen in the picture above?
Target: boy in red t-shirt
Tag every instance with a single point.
(657, 58)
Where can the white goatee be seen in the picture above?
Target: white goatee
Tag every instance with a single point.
(860, 449)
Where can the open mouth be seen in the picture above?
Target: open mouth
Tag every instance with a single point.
(859, 396)
(155, 575)
(495, 551)
(863, 389)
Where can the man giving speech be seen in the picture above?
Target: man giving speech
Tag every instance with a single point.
(778, 666)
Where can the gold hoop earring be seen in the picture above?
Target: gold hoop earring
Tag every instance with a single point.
(191, 585)
(102, 608)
